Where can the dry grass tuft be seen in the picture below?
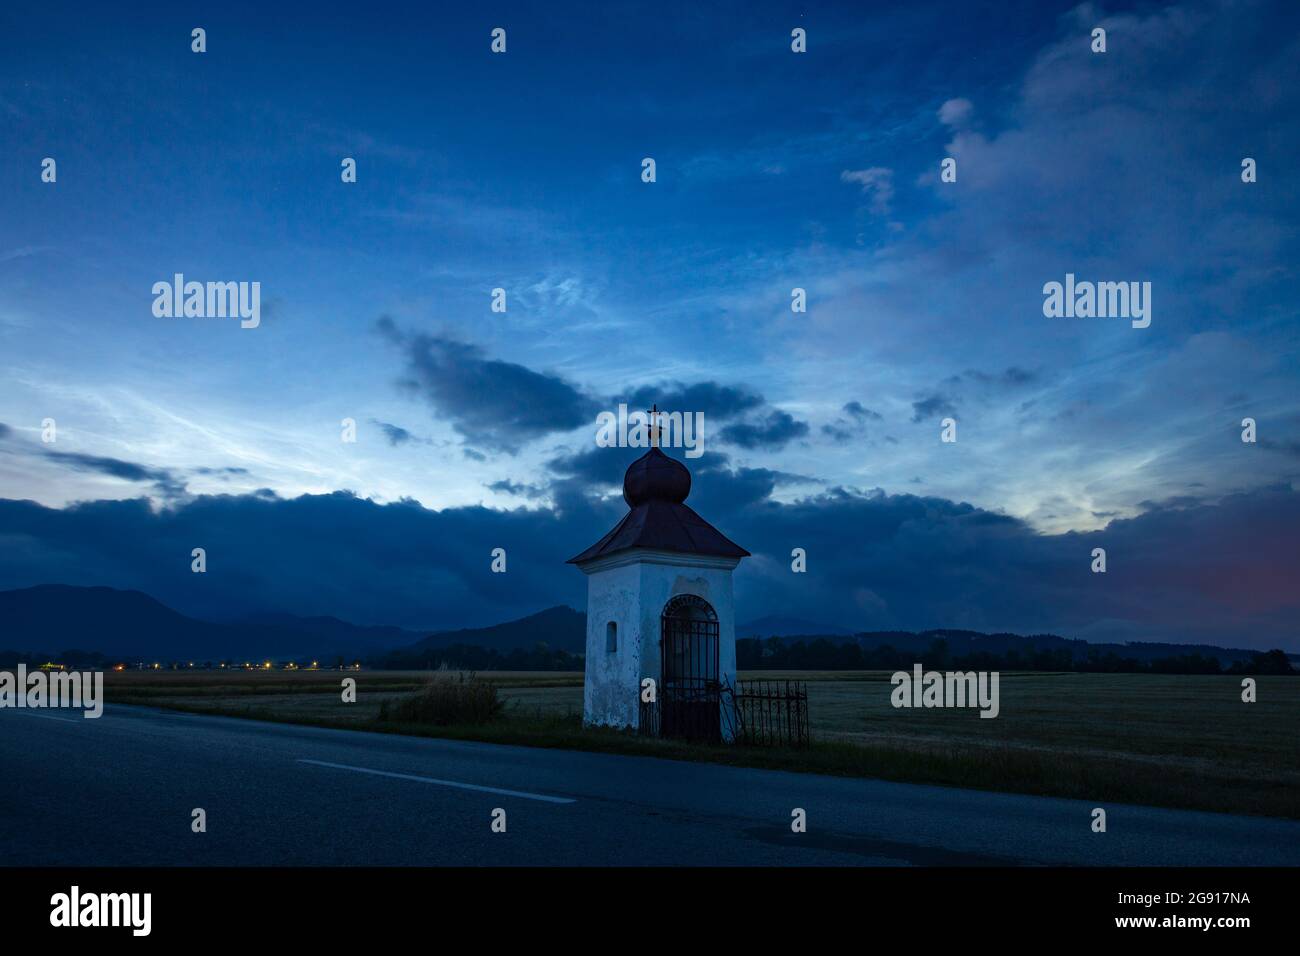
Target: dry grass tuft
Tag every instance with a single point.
(448, 698)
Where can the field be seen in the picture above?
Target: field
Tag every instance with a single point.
(1175, 740)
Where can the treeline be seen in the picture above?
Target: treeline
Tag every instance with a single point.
(773, 653)
(472, 658)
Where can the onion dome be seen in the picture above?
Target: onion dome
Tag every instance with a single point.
(656, 477)
(655, 489)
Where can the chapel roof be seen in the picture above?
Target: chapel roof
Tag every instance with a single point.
(655, 488)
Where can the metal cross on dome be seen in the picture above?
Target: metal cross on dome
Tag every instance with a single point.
(654, 425)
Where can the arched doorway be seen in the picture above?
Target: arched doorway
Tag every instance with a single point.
(690, 692)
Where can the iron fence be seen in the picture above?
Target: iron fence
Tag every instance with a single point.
(772, 713)
(767, 713)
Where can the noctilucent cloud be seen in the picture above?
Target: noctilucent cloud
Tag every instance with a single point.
(774, 171)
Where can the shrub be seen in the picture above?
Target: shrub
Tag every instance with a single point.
(447, 698)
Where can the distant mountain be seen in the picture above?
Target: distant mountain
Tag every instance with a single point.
(59, 617)
(561, 628)
(330, 631)
(774, 625)
(964, 643)
(130, 626)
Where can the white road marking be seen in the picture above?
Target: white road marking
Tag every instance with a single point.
(66, 720)
(441, 783)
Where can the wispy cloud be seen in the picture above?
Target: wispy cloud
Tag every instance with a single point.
(877, 183)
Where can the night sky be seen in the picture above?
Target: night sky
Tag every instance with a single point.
(775, 170)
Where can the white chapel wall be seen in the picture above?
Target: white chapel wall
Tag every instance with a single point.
(609, 696)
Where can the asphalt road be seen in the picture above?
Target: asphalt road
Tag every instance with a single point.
(120, 790)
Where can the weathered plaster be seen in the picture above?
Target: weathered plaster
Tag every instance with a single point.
(631, 590)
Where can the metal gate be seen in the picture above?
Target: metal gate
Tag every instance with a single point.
(690, 693)
(773, 713)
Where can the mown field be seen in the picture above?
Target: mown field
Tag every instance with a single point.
(1165, 740)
